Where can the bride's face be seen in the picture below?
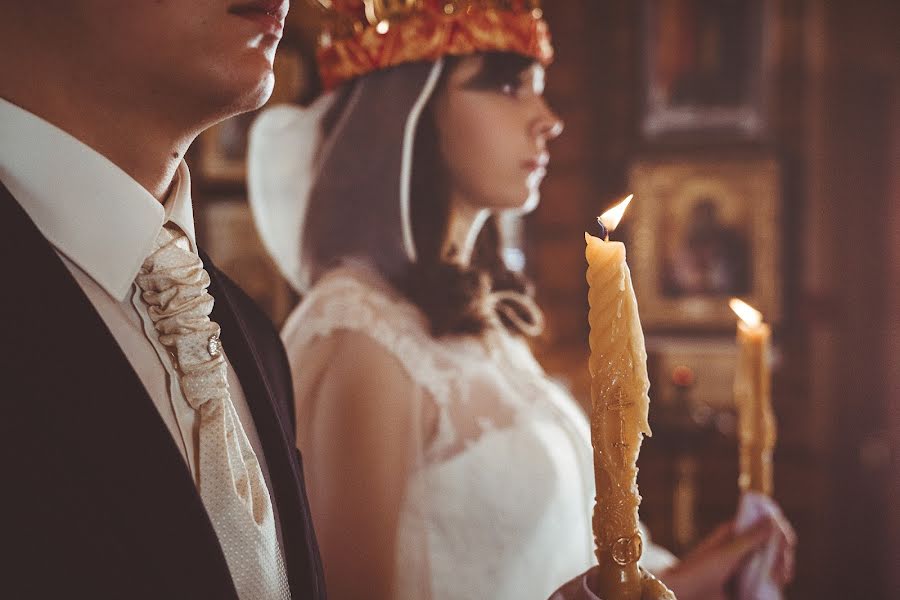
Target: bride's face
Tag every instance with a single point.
(493, 128)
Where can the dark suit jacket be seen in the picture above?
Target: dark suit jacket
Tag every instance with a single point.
(95, 498)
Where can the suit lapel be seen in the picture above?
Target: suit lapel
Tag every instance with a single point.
(274, 424)
(89, 404)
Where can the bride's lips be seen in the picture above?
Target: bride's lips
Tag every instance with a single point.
(538, 163)
(269, 14)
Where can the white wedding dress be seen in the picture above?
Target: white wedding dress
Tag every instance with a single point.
(499, 504)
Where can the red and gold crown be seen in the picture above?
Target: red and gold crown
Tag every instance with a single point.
(361, 36)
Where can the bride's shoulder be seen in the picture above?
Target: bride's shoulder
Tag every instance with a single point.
(350, 305)
(354, 298)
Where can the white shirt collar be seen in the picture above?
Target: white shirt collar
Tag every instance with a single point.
(87, 207)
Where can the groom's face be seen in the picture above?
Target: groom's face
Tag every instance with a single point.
(212, 54)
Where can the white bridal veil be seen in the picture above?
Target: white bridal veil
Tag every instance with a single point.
(301, 177)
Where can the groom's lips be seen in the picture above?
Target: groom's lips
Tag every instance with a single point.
(269, 14)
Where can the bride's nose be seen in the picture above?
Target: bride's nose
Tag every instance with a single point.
(547, 126)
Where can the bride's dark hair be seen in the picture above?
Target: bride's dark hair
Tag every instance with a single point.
(456, 300)
(345, 221)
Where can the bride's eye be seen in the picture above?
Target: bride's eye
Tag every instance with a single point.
(515, 89)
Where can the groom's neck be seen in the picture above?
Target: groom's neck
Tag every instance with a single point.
(145, 145)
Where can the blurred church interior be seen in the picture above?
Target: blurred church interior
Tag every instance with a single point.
(762, 141)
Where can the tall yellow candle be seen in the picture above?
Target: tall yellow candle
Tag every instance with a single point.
(752, 395)
(619, 409)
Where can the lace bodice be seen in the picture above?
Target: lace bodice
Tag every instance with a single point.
(499, 504)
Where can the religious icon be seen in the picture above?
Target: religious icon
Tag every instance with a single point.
(709, 256)
(704, 231)
(704, 67)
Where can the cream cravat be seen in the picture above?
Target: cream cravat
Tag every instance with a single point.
(174, 286)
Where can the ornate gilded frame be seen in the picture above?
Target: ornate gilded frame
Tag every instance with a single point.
(747, 192)
(743, 118)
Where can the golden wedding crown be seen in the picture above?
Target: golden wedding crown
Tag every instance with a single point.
(361, 36)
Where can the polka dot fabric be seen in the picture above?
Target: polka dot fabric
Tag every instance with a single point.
(174, 286)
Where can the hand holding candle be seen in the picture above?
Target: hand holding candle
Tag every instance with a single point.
(619, 409)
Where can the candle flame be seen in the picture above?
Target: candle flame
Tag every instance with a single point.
(745, 312)
(613, 216)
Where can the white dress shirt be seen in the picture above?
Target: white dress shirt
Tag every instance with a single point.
(103, 225)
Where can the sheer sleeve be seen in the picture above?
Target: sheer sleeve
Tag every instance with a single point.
(359, 431)
(362, 422)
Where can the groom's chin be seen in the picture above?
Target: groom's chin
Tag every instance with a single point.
(238, 92)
